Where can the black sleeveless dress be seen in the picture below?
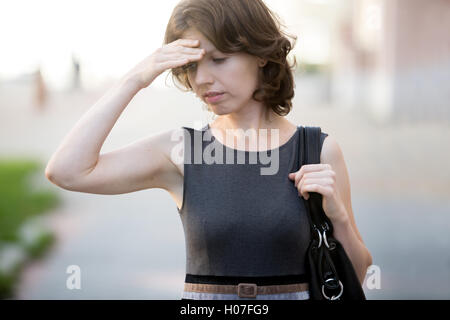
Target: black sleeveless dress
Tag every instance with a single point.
(243, 220)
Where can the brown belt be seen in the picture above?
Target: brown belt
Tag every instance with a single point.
(245, 290)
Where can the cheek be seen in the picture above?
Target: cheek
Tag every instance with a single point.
(242, 79)
(193, 85)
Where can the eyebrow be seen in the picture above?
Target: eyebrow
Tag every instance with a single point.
(207, 52)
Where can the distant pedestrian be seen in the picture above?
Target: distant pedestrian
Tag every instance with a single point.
(40, 91)
(76, 72)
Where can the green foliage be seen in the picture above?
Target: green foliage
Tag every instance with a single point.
(19, 205)
(38, 248)
(18, 202)
(7, 284)
(311, 68)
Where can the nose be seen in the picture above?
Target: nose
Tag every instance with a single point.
(203, 74)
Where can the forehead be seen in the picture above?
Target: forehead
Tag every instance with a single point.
(197, 35)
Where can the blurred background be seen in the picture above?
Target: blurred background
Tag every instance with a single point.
(375, 74)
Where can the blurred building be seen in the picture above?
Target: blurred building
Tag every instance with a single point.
(392, 58)
(313, 22)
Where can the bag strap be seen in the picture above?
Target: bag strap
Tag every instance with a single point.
(309, 153)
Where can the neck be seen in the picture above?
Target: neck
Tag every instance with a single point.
(264, 118)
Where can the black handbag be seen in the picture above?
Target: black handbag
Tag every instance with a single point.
(330, 272)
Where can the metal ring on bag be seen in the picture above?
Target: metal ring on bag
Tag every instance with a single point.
(320, 238)
(333, 297)
(325, 239)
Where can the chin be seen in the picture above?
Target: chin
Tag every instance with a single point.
(218, 111)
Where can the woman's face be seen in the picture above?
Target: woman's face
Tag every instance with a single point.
(236, 75)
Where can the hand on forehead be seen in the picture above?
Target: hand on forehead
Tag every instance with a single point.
(204, 43)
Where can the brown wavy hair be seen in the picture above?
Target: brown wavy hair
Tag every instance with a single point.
(241, 26)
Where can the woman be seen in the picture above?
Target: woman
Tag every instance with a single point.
(246, 232)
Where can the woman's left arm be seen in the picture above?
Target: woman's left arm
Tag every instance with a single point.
(330, 178)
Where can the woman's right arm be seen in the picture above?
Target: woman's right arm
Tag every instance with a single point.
(77, 164)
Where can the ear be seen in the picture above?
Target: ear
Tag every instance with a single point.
(262, 62)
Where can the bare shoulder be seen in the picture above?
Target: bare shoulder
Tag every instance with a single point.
(331, 150)
(332, 154)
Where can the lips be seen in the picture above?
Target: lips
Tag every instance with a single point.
(214, 97)
(212, 94)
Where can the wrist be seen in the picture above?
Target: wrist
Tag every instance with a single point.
(131, 83)
(341, 219)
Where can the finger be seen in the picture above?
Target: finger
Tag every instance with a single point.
(316, 167)
(308, 168)
(303, 189)
(304, 193)
(180, 59)
(318, 174)
(187, 42)
(192, 50)
(322, 181)
(171, 64)
(183, 49)
(314, 188)
(300, 188)
(194, 55)
(297, 175)
(298, 178)
(189, 57)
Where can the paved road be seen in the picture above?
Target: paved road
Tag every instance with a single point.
(132, 246)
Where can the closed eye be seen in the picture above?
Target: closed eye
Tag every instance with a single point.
(189, 66)
(193, 65)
